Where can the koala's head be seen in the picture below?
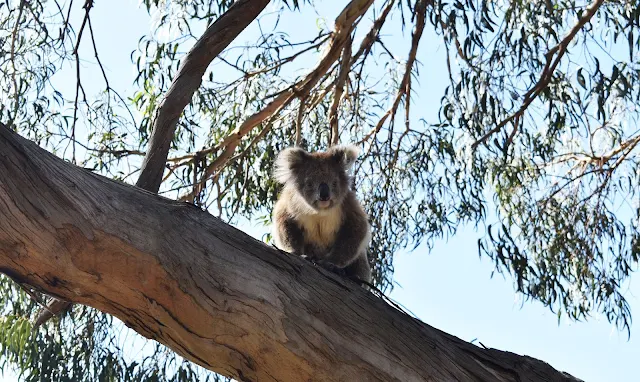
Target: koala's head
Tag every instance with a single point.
(320, 178)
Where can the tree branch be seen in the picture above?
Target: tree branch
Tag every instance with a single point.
(12, 58)
(374, 33)
(299, 121)
(545, 77)
(215, 39)
(188, 79)
(217, 297)
(345, 67)
(343, 25)
(405, 85)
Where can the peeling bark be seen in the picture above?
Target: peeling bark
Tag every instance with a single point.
(216, 296)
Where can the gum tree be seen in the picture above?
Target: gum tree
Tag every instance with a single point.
(535, 141)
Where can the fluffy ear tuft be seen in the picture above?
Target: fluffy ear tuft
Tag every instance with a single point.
(346, 155)
(286, 163)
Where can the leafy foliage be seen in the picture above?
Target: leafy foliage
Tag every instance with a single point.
(87, 346)
(536, 140)
(562, 167)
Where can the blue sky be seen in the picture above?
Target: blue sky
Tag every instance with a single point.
(448, 287)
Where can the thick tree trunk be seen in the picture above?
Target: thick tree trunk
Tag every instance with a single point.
(216, 296)
(189, 77)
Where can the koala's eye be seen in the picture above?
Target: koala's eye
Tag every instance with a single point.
(335, 184)
(309, 183)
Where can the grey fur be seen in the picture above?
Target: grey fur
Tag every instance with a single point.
(334, 232)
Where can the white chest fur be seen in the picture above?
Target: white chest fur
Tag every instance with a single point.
(321, 228)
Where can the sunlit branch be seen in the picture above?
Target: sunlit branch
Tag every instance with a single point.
(316, 97)
(590, 164)
(553, 58)
(344, 23)
(188, 79)
(597, 160)
(373, 34)
(405, 84)
(230, 142)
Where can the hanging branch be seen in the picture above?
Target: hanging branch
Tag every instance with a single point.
(550, 66)
(405, 84)
(309, 102)
(299, 119)
(347, 19)
(345, 66)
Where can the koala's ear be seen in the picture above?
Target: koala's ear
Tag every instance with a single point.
(287, 162)
(345, 155)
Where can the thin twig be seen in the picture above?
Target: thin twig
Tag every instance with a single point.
(317, 42)
(104, 74)
(367, 42)
(345, 21)
(299, 120)
(12, 53)
(345, 66)
(87, 7)
(65, 24)
(547, 72)
(405, 84)
(373, 34)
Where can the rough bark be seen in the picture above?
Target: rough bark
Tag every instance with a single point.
(214, 40)
(216, 296)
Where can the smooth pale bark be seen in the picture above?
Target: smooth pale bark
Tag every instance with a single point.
(216, 296)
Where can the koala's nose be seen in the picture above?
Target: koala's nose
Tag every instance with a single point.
(324, 191)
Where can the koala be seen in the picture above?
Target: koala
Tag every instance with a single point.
(317, 215)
